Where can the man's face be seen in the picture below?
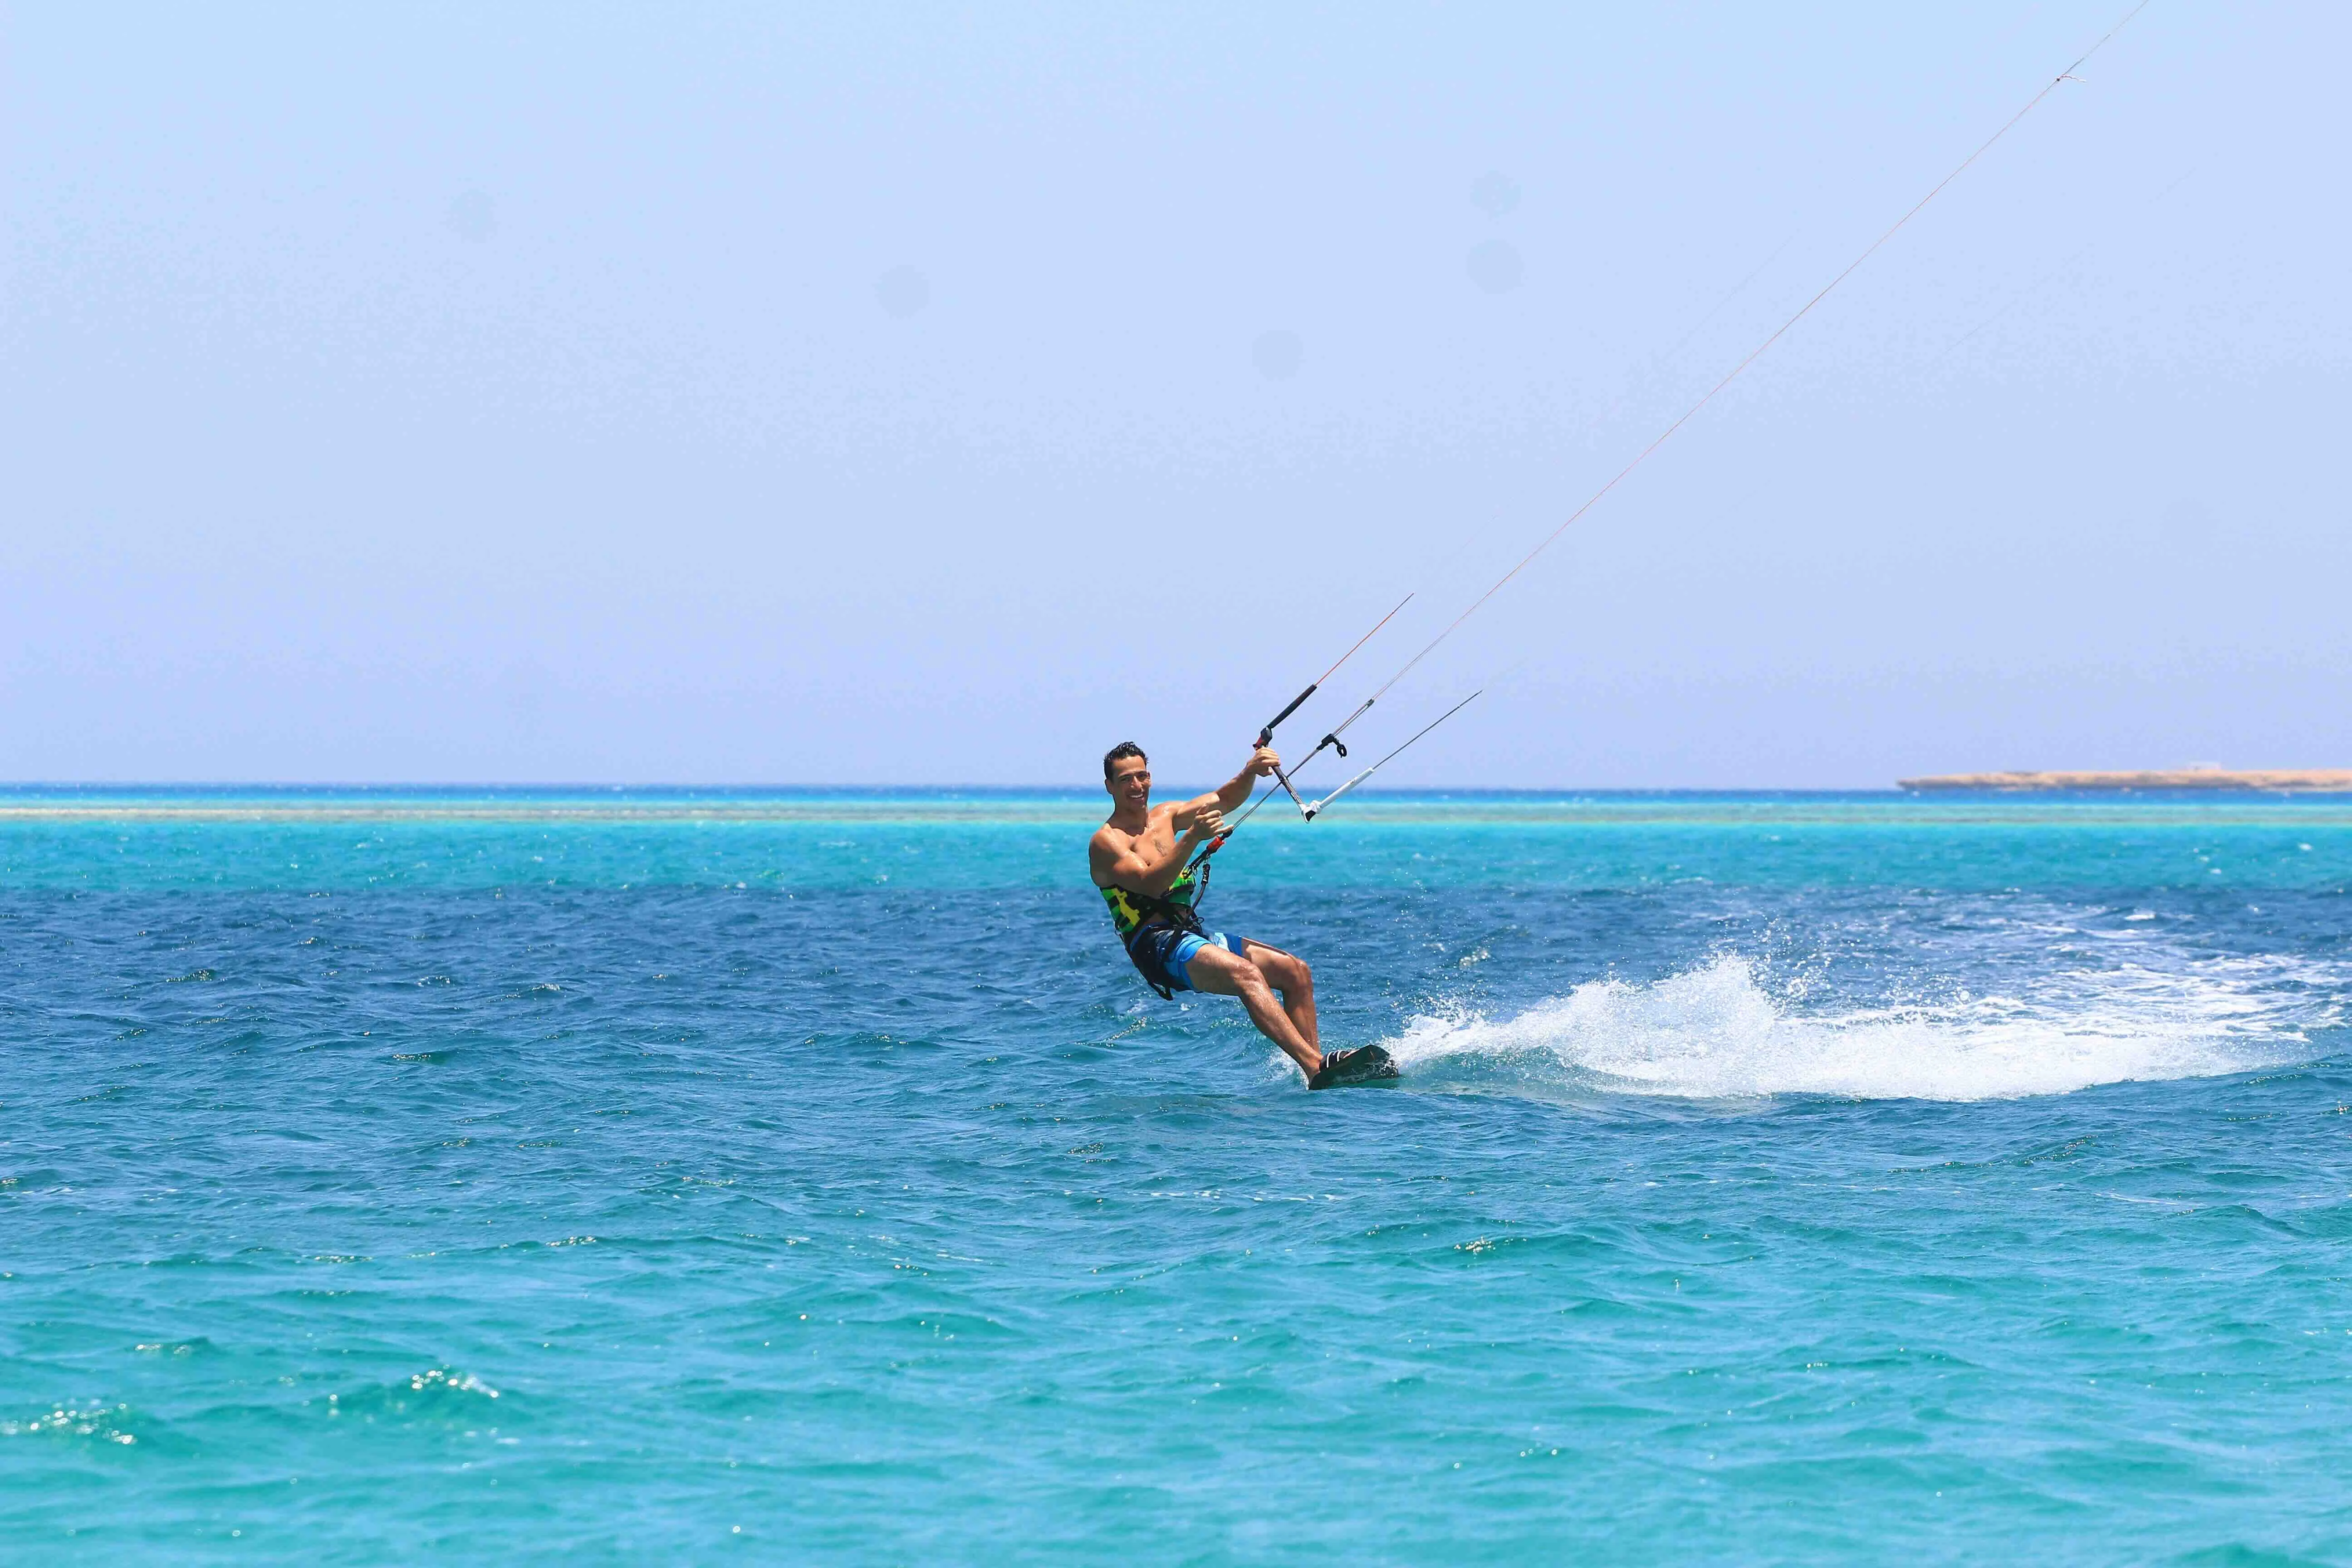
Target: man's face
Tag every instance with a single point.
(1130, 781)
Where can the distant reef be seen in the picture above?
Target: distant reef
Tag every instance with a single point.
(2291, 779)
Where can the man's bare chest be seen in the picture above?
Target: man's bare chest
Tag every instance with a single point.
(1154, 844)
(1154, 841)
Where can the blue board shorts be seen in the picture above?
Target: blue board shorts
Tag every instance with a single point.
(1165, 955)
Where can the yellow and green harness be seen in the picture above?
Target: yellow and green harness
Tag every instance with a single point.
(1154, 928)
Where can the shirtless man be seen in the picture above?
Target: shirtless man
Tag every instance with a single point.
(1139, 858)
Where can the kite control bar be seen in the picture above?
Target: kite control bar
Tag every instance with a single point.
(1265, 738)
(1316, 809)
(1266, 735)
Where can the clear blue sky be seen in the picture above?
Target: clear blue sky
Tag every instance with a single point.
(887, 394)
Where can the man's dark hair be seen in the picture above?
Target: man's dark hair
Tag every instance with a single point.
(1120, 752)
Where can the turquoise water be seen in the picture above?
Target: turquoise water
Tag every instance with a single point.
(675, 1176)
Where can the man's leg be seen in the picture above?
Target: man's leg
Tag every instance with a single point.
(1288, 974)
(1220, 973)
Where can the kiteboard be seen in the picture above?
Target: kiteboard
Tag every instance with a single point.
(1345, 1069)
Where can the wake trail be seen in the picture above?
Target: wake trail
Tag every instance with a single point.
(1714, 1033)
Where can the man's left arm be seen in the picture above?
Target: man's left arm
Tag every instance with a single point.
(1239, 788)
(1234, 794)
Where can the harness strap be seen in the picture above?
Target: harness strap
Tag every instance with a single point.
(1158, 911)
(1163, 912)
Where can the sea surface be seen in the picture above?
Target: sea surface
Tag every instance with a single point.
(670, 1176)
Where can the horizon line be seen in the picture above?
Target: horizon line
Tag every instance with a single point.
(609, 787)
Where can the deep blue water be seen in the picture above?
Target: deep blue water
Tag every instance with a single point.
(691, 1176)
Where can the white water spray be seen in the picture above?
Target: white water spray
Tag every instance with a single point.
(1715, 1034)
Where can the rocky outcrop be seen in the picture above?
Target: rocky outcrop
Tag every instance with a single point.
(2286, 780)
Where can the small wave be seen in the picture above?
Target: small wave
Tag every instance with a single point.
(1715, 1033)
(104, 1423)
(437, 1394)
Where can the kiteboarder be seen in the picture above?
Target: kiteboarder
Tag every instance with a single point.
(1149, 864)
